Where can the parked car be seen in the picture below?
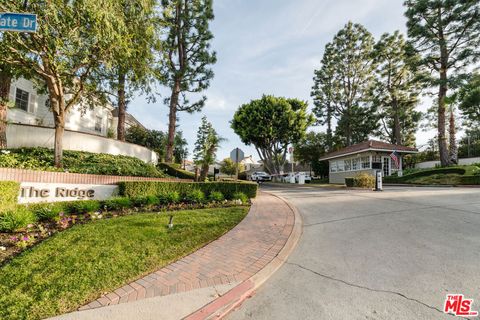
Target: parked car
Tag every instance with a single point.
(260, 176)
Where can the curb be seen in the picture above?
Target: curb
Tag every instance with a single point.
(222, 306)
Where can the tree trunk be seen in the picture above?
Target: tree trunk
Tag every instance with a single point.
(442, 139)
(397, 131)
(172, 121)
(59, 130)
(204, 172)
(122, 107)
(453, 156)
(5, 81)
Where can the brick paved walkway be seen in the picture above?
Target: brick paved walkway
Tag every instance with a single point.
(233, 258)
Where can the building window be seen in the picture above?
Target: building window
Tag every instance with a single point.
(98, 124)
(333, 166)
(355, 164)
(340, 166)
(21, 99)
(365, 162)
(348, 165)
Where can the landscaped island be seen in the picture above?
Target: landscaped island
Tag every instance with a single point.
(56, 257)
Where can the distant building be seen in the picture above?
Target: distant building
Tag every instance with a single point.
(366, 157)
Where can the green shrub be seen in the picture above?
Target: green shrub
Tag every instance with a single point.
(84, 206)
(424, 173)
(364, 180)
(134, 189)
(47, 211)
(195, 196)
(78, 162)
(118, 203)
(171, 197)
(240, 196)
(174, 170)
(9, 191)
(350, 182)
(16, 219)
(216, 196)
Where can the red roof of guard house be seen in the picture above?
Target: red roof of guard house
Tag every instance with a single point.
(370, 145)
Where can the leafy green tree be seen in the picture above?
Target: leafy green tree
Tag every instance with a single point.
(322, 94)
(230, 167)
(186, 58)
(5, 81)
(153, 139)
(309, 150)
(469, 144)
(447, 34)
(180, 151)
(73, 40)
(396, 91)
(469, 100)
(349, 66)
(134, 63)
(206, 147)
(271, 124)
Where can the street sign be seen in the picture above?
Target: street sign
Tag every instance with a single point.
(237, 155)
(18, 22)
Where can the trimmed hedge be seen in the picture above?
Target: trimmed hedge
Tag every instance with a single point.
(469, 180)
(174, 170)
(350, 182)
(135, 189)
(8, 195)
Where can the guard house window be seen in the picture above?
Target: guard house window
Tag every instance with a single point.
(333, 166)
(365, 162)
(98, 124)
(355, 164)
(21, 99)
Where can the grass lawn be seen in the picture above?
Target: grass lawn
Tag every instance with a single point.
(76, 266)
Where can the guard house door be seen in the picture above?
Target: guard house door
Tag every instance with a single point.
(386, 166)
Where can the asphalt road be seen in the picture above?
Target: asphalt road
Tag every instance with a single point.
(375, 255)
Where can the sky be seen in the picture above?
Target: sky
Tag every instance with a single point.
(270, 47)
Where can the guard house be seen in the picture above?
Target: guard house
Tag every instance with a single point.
(366, 157)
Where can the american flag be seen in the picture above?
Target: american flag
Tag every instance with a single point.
(396, 158)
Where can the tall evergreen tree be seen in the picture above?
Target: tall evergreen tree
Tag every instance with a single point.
(469, 100)
(397, 89)
(206, 146)
(133, 66)
(187, 58)
(447, 34)
(73, 40)
(322, 94)
(350, 64)
(180, 151)
(5, 81)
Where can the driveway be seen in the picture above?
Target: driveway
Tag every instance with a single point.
(375, 255)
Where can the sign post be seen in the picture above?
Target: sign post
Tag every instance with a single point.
(236, 154)
(18, 22)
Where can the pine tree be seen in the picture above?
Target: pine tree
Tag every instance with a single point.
(453, 149)
(397, 89)
(350, 65)
(206, 146)
(447, 34)
(187, 57)
(134, 62)
(322, 94)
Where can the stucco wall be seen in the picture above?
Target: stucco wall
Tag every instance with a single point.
(339, 177)
(19, 136)
(432, 164)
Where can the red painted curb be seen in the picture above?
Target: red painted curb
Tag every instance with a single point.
(239, 293)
